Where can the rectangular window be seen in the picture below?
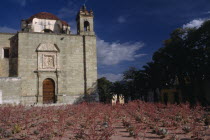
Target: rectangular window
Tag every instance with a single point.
(6, 52)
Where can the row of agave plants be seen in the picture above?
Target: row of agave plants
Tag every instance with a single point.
(166, 121)
(85, 121)
(94, 121)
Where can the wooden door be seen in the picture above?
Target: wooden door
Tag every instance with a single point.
(48, 91)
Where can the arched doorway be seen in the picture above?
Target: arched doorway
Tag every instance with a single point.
(48, 91)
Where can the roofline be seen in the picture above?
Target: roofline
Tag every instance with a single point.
(53, 34)
(8, 33)
(30, 19)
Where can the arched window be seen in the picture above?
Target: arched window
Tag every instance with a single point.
(48, 31)
(86, 26)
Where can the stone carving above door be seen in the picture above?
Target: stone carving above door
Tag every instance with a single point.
(48, 61)
(47, 57)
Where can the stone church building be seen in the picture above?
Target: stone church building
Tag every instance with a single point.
(44, 63)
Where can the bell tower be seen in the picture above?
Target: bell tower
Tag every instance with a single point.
(85, 22)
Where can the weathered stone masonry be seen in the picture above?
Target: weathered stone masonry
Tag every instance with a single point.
(68, 61)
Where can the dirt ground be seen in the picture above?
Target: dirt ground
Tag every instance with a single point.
(123, 134)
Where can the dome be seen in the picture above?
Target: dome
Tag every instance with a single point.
(45, 15)
(64, 23)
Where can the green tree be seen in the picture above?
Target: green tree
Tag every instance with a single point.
(131, 77)
(104, 90)
(174, 60)
(183, 63)
(185, 57)
(198, 41)
(136, 84)
(152, 77)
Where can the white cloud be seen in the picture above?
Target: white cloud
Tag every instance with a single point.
(115, 52)
(5, 29)
(196, 23)
(112, 77)
(121, 19)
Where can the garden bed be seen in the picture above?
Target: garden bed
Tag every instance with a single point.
(135, 120)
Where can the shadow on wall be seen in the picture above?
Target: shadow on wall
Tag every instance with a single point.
(57, 28)
(90, 96)
(13, 59)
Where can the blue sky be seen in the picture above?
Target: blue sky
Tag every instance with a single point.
(128, 31)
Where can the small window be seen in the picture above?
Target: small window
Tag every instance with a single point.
(6, 52)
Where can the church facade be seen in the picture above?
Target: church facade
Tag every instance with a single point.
(44, 63)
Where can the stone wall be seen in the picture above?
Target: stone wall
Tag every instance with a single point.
(74, 75)
(5, 40)
(13, 59)
(90, 64)
(10, 90)
(69, 77)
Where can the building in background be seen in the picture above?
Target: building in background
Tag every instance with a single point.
(45, 63)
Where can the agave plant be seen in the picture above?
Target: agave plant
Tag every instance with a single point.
(187, 129)
(207, 120)
(162, 132)
(174, 137)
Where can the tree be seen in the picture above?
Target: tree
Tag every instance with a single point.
(174, 61)
(185, 57)
(198, 41)
(104, 90)
(137, 84)
(152, 77)
(132, 77)
(182, 63)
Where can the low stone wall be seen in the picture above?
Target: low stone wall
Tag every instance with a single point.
(10, 90)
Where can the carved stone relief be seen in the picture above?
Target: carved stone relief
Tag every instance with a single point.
(47, 57)
(48, 61)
